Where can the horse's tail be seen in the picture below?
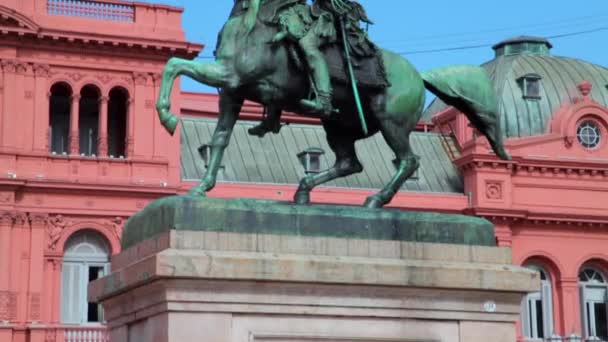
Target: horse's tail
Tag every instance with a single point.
(469, 89)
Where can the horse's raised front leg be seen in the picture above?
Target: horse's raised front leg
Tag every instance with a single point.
(346, 164)
(213, 74)
(230, 107)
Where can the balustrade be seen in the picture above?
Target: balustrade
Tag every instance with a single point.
(105, 10)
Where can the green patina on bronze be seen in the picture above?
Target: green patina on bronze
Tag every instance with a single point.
(281, 218)
(287, 55)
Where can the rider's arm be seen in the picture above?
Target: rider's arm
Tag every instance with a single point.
(251, 15)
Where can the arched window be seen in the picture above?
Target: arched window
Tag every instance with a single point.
(59, 118)
(537, 309)
(86, 259)
(88, 119)
(117, 122)
(594, 298)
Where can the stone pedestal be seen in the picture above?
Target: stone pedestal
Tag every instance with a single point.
(209, 286)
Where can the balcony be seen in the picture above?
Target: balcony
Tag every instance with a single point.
(78, 334)
(103, 10)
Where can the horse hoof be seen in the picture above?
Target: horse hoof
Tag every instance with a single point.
(373, 203)
(257, 131)
(197, 192)
(302, 198)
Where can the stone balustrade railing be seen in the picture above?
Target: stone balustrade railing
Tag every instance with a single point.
(105, 10)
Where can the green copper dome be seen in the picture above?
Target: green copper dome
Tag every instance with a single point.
(532, 84)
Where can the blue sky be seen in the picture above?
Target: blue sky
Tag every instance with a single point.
(412, 27)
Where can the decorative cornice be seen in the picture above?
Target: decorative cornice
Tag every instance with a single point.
(502, 216)
(523, 166)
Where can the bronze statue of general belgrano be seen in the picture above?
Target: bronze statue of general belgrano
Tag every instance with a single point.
(317, 60)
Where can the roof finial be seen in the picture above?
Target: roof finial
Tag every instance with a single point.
(585, 88)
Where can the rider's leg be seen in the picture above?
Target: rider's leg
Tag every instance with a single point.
(320, 73)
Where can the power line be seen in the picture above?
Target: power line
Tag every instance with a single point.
(544, 25)
(473, 46)
(485, 45)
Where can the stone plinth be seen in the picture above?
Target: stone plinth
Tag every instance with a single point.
(248, 287)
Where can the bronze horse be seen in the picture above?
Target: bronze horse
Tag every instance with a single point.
(248, 66)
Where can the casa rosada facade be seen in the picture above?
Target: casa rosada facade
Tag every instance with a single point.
(81, 149)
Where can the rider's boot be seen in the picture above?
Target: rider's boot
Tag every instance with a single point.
(320, 105)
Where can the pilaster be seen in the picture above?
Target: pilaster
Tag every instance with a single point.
(20, 263)
(41, 135)
(38, 223)
(7, 136)
(7, 297)
(143, 126)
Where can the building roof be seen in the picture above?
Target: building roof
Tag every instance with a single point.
(559, 77)
(273, 160)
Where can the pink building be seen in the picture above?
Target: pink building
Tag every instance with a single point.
(87, 151)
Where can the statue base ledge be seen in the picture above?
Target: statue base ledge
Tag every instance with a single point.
(253, 216)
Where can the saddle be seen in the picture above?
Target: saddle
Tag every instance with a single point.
(369, 70)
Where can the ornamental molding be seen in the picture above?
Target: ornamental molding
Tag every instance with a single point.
(141, 78)
(42, 70)
(105, 78)
(55, 227)
(8, 65)
(510, 217)
(116, 225)
(7, 218)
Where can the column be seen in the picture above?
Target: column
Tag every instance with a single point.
(6, 224)
(130, 143)
(36, 269)
(74, 125)
(102, 139)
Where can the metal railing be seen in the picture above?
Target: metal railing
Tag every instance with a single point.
(92, 9)
(571, 338)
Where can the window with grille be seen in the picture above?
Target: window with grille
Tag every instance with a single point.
(594, 298)
(86, 259)
(537, 309)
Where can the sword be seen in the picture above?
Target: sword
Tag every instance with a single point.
(353, 80)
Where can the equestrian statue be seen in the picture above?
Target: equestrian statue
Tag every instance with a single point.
(317, 60)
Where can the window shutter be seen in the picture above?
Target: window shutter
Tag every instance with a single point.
(584, 318)
(525, 316)
(71, 293)
(547, 300)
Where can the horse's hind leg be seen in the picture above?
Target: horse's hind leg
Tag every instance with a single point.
(346, 164)
(212, 74)
(398, 138)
